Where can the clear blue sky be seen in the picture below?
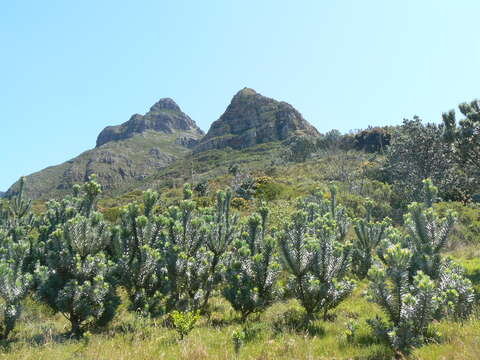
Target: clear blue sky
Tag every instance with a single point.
(70, 68)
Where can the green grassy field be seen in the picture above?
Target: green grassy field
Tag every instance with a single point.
(41, 335)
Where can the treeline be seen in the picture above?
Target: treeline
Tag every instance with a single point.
(171, 261)
(448, 153)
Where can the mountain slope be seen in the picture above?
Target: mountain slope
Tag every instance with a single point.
(125, 154)
(165, 117)
(253, 119)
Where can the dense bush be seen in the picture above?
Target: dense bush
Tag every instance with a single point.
(77, 278)
(16, 249)
(464, 138)
(316, 262)
(141, 265)
(416, 153)
(253, 269)
(373, 139)
(413, 283)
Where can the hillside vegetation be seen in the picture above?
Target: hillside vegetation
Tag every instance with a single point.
(356, 246)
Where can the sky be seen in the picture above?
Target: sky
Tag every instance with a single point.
(70, 68)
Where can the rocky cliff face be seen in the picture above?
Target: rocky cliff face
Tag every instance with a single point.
(165, 116)
(253, 119)
(124, 156)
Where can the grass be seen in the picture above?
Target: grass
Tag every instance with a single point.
(42, 335)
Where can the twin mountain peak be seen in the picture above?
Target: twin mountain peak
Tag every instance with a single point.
(127, 154)
(250, 119)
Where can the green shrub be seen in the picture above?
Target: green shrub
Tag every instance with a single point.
(316, 262)
(141, 265)
(253, 269)
(77, 279)
(414, 284)
(239, 203)
(184, 322)
(18, 253)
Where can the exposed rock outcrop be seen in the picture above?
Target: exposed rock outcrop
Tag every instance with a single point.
(165, 116)
(124, 156)
(252, 119)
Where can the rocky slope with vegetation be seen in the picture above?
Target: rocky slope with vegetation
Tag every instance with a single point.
(253, 119)
(135, 153)
(125, 154)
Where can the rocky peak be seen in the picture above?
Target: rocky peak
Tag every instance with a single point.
(165, 104)
(164, 116)
(252, 119)
(245, 92)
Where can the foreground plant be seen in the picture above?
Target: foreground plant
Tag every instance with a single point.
(184, 322)
(316, 263)
(413, 283)
(141, 265)
(195, 244)
(14, 282)
(410, 307)
(369, 234)
(253, 270)
(77, 278)
(16, 259)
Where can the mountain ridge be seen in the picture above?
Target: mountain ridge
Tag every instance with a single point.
(252, 119)
(125, 154)
(164, 116)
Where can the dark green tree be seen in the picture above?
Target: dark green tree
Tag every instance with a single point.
(464, 138)
(417, 152)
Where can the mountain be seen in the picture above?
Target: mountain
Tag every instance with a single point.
(253, 119)
(165, 117)
(124, 154)
(1, 194)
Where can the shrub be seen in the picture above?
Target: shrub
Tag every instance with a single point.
(410, 308)
(201, 188)
(316, 262)
(18, 253)
(414, 284)
(194, 245)
(139, 257)
(252, 270)
(368, 233)
(239, 203)
(184, 322)
(14, 282)
(77, 278)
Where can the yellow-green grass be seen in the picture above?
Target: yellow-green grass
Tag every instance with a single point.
(41, 335)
